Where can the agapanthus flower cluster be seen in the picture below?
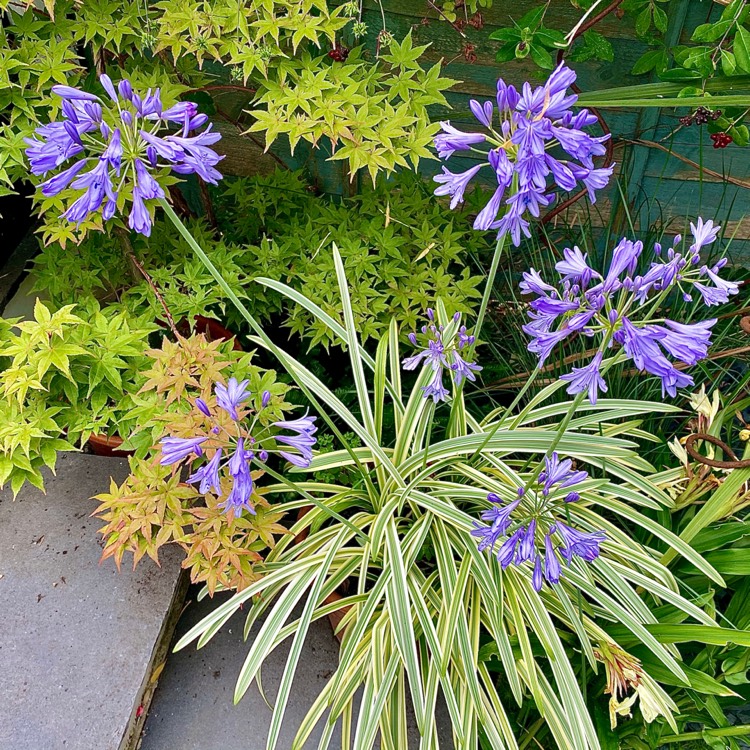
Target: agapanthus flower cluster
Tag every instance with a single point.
(530, 137)
(528, 529)
(621, 307)
(229, 448)
(442, 351)
(115, 149)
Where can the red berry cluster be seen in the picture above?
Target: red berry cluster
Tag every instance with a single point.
(339, 53)
(721, 140)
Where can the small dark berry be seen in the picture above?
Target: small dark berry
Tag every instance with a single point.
(687, 120)
(716, 114)
(339, 53)
(701, 116)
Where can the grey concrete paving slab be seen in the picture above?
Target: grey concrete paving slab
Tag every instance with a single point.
(78, 639)
(192, 708)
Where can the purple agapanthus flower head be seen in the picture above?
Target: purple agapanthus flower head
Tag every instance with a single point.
(230, 453)
(618, 307)
(444, 350)
(538, 146)
(525, 528)
(124, 145)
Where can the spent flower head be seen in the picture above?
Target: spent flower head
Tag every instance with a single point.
(229, 445)
(115, 150)
(528, 529)
(443, 349)
(620, 307)
(530, 136)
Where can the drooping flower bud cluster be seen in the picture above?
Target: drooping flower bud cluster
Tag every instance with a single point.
(122, 145)
(229, 449)
(536, 130)
(529, 529)
(620, 306)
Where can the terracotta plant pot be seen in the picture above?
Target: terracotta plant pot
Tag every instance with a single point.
(336, 617)
(102, 445)
(215, 331)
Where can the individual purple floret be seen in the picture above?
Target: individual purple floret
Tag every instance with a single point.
(587, 379)
(207, 476)
(231, 395)
(535, 134)
(124, 146)
(442, 353)
(618, 308)
(302, 442)
(239, 496)
(175, 449)
(524, 529)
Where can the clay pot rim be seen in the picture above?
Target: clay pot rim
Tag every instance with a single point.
(108, 445)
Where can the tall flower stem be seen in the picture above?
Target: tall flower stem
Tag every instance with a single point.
(568, 418)
(509, 410)
(489, 284)
(559, 434)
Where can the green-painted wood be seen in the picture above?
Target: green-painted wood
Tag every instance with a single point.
(649, 119)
